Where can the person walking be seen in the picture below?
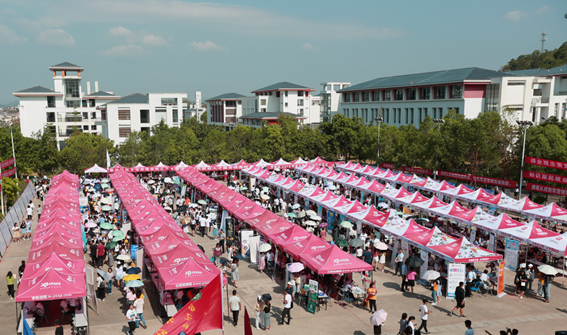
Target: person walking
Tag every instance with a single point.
(16, 233)
(109, 281)
(404, 272)
(375, 259)
(10, 280)
(235, 307)
(460, 298)
(411, 279)
(403, 323)
(262, 262)
(258, 308)
(382, 260)
(424, 315)
(522, 283)
(287, 308)
(139, 304)
(267, 316)
(547, 287)
(469, 331)
(399, 261)
(234, 271)
(371, 292)
(217, 252)
(101, 285)
(434, 288)
(131, 317)
(410, 326)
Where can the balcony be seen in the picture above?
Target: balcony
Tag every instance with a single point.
(68, 132)
(539, 101)
(69, 118)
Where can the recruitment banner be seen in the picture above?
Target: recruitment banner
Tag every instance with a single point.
(545, 177)
(455, 275)
(546, 189)
(454, 175)
(407, 169)
(546, 163)
(425, 257)
(8, 173)
(7, 163)
(313, 294)
(501, 286)
(511, 254)
(495, 181)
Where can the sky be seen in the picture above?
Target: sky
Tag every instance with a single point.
(144, 46)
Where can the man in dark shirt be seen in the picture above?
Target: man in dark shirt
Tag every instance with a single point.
(460, 298)
(58, 328)
(367, 256)
(92, 249)
(100, 254)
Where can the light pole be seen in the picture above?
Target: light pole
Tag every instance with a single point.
(379, 121)
(525, 125)
(438, 122)
(13, 150)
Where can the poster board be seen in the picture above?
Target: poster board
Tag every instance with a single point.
(425, 257)
(492, 242)
(501, 279)
(140, 261)
(254, 245)
(312, 298)
(456, 274)
(245, 236)
(511, 254)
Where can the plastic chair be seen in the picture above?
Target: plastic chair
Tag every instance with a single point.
(476, 287)
(66, 315)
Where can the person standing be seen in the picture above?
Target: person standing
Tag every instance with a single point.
(424, 315)
(234, 271)
(530, 275)
(267, 316)
(235, 307)
(101, 285)
(217, 252)
(139, 304)
(93, 250)
(522, 283)
(460, 298)
(404, 272)
(434, 287)
(10, 279)
(221, 238)
(411, 279)
(403, 323)
(131, 317)
(258, 308)
(399, 261)
(372, 297)
(547, 287)
(100, 254)
(262, 262)
(287, 308)
(469, 331)
(109, 277)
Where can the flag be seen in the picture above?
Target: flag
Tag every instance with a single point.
(202, 313)
(247, 325)
(27, 329)
(107, 160)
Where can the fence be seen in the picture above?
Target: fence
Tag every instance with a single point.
(15, 214)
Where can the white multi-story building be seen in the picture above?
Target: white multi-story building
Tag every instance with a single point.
(140, 112)
(65, 108)
(195, 110)
(224, 110)
(330, 99)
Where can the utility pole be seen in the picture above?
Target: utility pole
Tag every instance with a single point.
(438, 122)
(525, 125)
(543, 39)
(13, 150)
(379, 121)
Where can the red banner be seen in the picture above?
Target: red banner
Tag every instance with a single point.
(408, 169)
(546, 189)
(545, 177)
(546, 163)
(8, 173)
(454, 175)
(7, 163)
(495, 181)
(387, 166)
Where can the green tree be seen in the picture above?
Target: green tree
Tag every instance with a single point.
(84, 150)
(11, 190)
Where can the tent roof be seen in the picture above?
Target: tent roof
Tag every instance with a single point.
(334, 260)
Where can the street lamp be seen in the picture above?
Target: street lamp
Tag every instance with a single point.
(13, 150)
(438, 122)
(379, 121)
(525, 125)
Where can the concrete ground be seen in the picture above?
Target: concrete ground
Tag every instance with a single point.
(530, 315)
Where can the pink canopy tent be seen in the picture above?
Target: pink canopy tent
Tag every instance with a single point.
(273, 227)
(375, 187)
(57, 237)
(462, 251)
(342, 205)
(373, 217)
(296, 187)
(547, 212)
(188, 274)
(175, 256)
(249, 212)
(554, 244)
(61, 250)
(264, 218)
(313, 244)
(51, 285)
(54, 261)
(355, 208)
(202, 166)
(291, 235)
(332, 200)
(329, 196)
(161, 234)
(160, 246)
(280, 163)
(334, 260)
(95, 169)
(527, 232)
(432, 237)
(399, 228)
(320, 161)
(241, 165)
(312, 192)
(502, 221)
(299, 162)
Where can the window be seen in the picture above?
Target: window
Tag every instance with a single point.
(388, 96)
(93, 115)
(301, 111)
(387, 115)
(72, 88)
(426, 93)
(419, 112)
(85, 115)
(124, 131)
(300, 102)
(300, 93)
(103, 115)
(492, 100)
(346, 97)
(366, 96)
(377, 96)
(176, 115)
(72, 103)
(85, 127)
(285, 104)
(263, 102)
(124, 114)
(457, 110)
(346, 112)
(356, 96)
(50, 117)
(168, 101)
(457, 91)
(93, 127)
(91, 102)
(146, 129)
(407, 115)
(285, 93)
(399, 95)
(144, 116)
(240, 101)
(399, 115)
(161, 114)
(440, 112)
(394, 115)
(50, 102)
(262, 110)
(440, 92)
(411, 94)
(411, 114)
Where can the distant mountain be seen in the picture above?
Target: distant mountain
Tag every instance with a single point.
(543, 60)
(10, 104)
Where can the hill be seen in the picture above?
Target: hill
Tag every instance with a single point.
(545, 60)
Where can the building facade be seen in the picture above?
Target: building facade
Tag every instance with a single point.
(224, 110)
(330, 99)
(140, 112)
(63, 109)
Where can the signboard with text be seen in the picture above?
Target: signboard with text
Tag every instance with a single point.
(455, 275)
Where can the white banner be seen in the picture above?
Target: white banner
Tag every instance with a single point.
(511, 254)
(254, 244)
(425, 256)
(405, 249)
(140, 261)
(358, 228)
(245, 236)
(492, 242)
(456, 275)
(473, 235)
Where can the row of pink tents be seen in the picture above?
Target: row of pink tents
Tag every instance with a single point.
(56, 268)
(179, 261)
(524, 206)
(221, 166)
(317, 254)
(432, 240)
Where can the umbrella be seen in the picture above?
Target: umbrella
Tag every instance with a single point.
(100, 272)
(123, 257)
(151, 182)
(380, 245)
(346, 224)
(356, 243)
(265, 247)
(341, 243)
(316, 218)
(311, 223)
(310, 213)
(414, 262)
(90, 224)
(106, 208)
(295, 267)
(243, 188)
(119, 234)
(324, 224)
(105, 180)
(131, 277)
(134, 283)
(422, 220)
(104, 201)
(167, 208)
(378, 318)
(202, 202)
(265, 197)
(383, 205)
(106, 225)
(200, 247)
(133, 271)
(265, 189)
(296, 206)
(332, 187)
(86, 181)
(193, 205)
(301, 214)
(548, 270)
(110, 245)
(291, 215)
(430, 275)
(105, 185)
(167, 180)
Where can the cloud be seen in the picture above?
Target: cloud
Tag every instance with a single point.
(153, 40)
(205, 46)
(543, 10)
(516, 16)
(308, 46)
(30, 25)
(119, 32)
(125, 51)
(8, 36)
(57, 37)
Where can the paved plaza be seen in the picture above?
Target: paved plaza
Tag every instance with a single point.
(530, 315)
